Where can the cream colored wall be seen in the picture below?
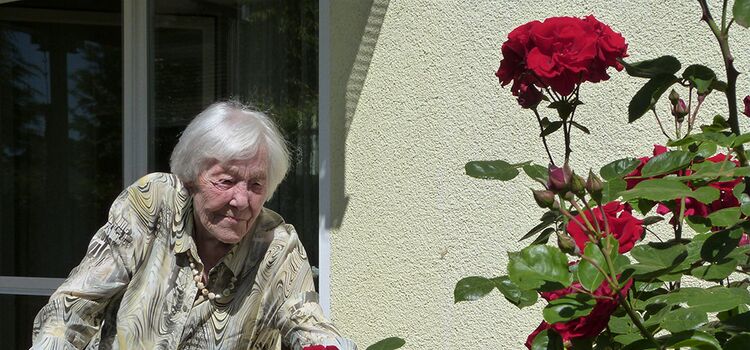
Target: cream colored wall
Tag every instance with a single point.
(413, 99)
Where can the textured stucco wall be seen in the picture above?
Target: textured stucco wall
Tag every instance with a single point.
(413, 99)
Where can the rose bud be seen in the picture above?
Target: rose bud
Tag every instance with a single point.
(566, 243)
(544, 198)
(680, 110)
(594, 186)
(577, 185)
(529, 96)
(746, 100)
(674, 97)
(559, 178)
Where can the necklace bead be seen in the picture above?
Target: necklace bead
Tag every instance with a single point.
(198, 278)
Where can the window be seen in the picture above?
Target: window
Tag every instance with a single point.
(72, 131)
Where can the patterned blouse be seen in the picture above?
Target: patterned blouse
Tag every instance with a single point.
(134, 288)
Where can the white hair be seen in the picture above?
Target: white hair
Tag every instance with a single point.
(227, 131)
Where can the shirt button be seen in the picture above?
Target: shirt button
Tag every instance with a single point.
(184, 308)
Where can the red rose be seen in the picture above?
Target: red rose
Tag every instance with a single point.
(611, 46)
(622, 224)
(746, 101)
(514, 51)
(564, 49)
(532, 336)
(630, 183)
(587, 326)
(560, 53)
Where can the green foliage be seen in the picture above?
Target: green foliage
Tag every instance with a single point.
(491, 170)
(741, 12)
(648, 95)
(547, 340)
(619, 168)
(387, 344)
(533, 266)
(568, 307)
(700, 77)
(664, 65)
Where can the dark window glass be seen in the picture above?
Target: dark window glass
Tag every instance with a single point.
(261, 52)
(18, 319)
(60, 135)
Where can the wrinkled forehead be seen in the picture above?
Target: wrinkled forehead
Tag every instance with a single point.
(255, 167)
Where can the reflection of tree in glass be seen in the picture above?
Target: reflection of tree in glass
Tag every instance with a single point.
(279, 73)
(96, 126)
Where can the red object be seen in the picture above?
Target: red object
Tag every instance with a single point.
(560, 53)
(746, 101)
(622, 224)
(587, 326)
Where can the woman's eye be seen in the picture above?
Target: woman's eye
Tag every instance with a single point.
(256, 187)
(224, 183)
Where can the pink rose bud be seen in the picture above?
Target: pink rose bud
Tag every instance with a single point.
(544, 198)
(746, 100)
(559, 178)
(744, 240)
(529, 96)
(674, 97)
(566, 243)
(680, 110)
(594, 186)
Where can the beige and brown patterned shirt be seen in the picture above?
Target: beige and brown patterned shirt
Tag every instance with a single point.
(134, 288)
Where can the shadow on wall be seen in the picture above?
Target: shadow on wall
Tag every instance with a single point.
(355, 27)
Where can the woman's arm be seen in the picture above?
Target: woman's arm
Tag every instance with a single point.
(75, 312)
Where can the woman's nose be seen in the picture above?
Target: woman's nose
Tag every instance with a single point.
(240, 198)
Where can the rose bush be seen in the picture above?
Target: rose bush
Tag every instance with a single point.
(605, 286)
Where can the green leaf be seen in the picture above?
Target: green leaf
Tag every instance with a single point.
(717, 271)
(699, 224)
(657, 190)
(543, 237)
(706, 149)
(705, 194)
(655, 260)
(581, 127)
(720, 244)
(491, 170)
(554, 126)
(664, 65)
(387, 344)
(515, 295)
(738, 342)
(612, 189)
(568, 307)
(665, 189)
(589, 276)
(742, 139)
(547, 219)
(700, 76)
(472, 288)
(666, 163)
(741, 12)
(648, 95)
(718, 138)
(683, 319)
(619, 168)
(745, 204)
(547, 340)
(725, 217)
(718, 124)
(537, 173)
(696, 340)
(714, 299)
(534, 265)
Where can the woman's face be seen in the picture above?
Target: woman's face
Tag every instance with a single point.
(228, 197)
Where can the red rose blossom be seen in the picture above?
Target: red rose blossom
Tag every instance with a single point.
(622, 224)
(560, 53)
(587, 326)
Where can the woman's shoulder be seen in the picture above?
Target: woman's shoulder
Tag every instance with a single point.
(157, 190)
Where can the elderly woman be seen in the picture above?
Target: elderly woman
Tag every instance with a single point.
(192, 260)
